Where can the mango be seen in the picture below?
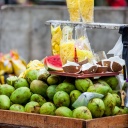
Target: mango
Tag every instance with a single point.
(38, 98)
(31, 75)
(63, 111)
(38, 87)
(21, 82)
(51, 90)
(61, 98)
(48, 108)
(99, 88)
(17, 107)
(20, 95)
(112, 81)
(53, 79)
(82, 113)
(6, 89)
(105, 84)
(83, 84)
(32, 107)
(4, 102)
(110, 103)
(66, 87)
(97, 107)
(118, 99)
(74, 95)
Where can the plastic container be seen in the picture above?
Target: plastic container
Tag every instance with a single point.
(75, 50)
(67, 46)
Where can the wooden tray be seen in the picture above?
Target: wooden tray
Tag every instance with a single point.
(84, 75)
(11, 119)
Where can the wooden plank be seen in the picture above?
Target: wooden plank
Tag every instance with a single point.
(12, 126)
(45, 121)
(120, 121)
(38, 121)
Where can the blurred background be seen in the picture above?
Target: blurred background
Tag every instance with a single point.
(63, 2)
(23, 28)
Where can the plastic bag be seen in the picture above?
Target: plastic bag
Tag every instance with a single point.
(85, 97)
(73, 9)
(67, 45)
(82, 44)
(118, 48)
(81, 37)
(56, 38)
(86, 8)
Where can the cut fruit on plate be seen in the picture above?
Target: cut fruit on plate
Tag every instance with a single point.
(72, 67)
(53, 63)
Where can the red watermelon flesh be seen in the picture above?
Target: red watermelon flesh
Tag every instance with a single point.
(53, 63)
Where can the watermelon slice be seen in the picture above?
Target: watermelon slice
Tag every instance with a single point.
(53, 63)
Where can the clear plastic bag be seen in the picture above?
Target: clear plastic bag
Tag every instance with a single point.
(82, 44)
(118, 48)
(81, 37)
(67, 45)
(86, 8)
(73, 9)
(85, 97)
(56, 34)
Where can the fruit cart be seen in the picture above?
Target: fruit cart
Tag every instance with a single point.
(12, 119)
(31, 118)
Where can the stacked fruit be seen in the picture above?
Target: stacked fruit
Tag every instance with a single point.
(54, 95)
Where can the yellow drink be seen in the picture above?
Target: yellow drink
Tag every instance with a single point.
(73, 9)
(86, 8)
